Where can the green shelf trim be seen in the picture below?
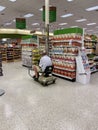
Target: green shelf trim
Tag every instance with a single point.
(14, 36)
(68, 31)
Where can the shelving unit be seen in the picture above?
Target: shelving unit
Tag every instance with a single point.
(63, 57)
(17, 53)
(10, 54)
(27, 47)
(27, 55)
(65, 48)
(35, 56)
(42, 43)
(90, 46)
(4, 53)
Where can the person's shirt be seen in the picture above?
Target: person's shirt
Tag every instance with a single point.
(44, 62)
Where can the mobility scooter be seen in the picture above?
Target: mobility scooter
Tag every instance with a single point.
(46, 77)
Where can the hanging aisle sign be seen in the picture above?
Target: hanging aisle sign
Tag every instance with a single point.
(52, 14)
(21, 23)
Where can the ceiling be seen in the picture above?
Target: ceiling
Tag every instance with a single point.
(19, 8)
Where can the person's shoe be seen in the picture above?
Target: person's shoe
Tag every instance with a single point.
(36, 79)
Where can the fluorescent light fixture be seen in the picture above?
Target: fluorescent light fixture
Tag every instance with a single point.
(41, 9)
(34, 24)
(6, 24)
(91, 24)
(12, 0)
(28, 15)
(92, 8)
(66, 15)
(14, 20)
(81, 20)
(2, 8)
(62, 24)
(74, 26)
(69, 0)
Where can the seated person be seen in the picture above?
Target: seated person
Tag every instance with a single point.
(44, 62)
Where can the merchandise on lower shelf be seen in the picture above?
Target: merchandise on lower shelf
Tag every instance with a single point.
(35, 56)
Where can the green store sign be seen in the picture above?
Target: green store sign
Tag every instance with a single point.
(52, 14)
(21, 23)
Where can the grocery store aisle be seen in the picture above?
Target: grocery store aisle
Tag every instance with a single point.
(27, 105)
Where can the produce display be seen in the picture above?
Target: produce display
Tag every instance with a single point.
(35, 56)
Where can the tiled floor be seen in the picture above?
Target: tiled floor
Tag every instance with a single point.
(27, 105)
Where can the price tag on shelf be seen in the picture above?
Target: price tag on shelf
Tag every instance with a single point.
(70, 42)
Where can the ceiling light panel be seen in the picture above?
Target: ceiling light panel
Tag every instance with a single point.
(6, 24)
(91, 24)
(28, 15)
(62, 24)
(66, 15)
(12, 0)
(2, 8)
(92, 8)
(41, 9)
(74, 26)
(34, 24)
(81, 20)
(69, 0)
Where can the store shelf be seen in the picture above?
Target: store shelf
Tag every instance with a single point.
(90, 51)
(73, 40)
(65, 77)
(62, 68)
(63, 54)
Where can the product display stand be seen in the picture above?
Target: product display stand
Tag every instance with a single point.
(90, 46)
(83, 68)
(35, 56)
(65, 48)
(27, 47)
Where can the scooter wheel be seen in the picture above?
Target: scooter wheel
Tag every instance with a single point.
(44, 84)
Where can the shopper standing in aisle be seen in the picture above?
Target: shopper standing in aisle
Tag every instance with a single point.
(44, 62)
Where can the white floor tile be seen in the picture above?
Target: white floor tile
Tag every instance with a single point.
(65, 105)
